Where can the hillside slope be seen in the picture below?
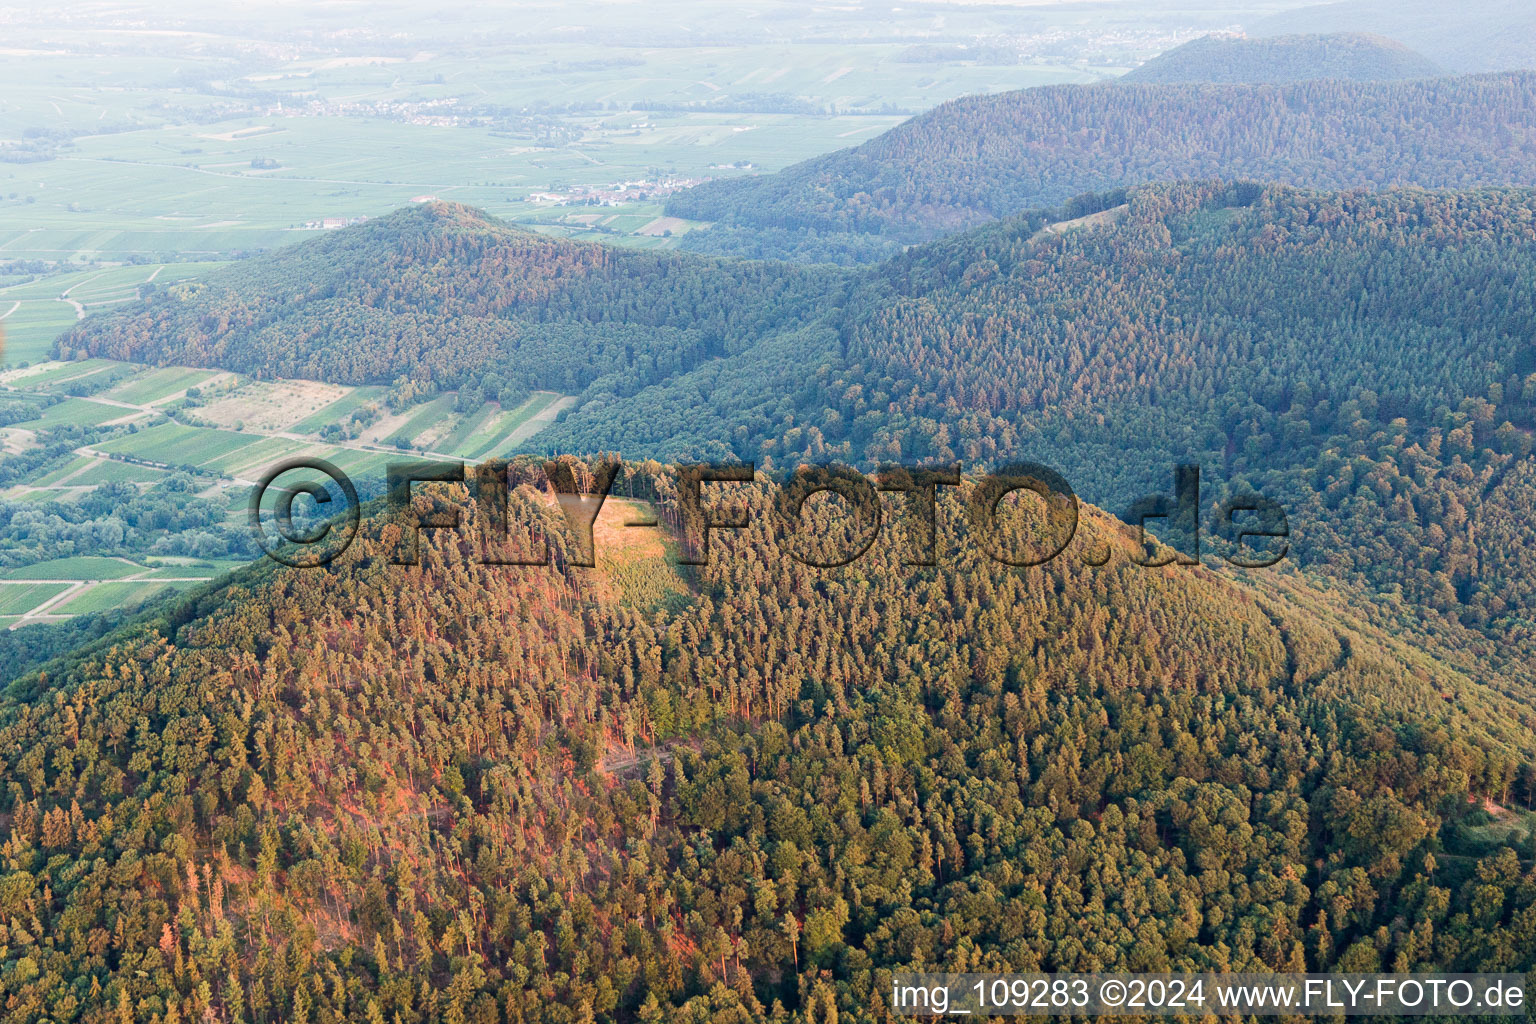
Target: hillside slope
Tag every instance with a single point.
(1351, 56)
(451, 792)
(977, 159)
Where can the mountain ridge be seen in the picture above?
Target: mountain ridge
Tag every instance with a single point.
(1486, 35)
(1355, 56)
(974, 160)
(434, 290)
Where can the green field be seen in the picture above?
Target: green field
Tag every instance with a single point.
(107, 584)
(106, 471)
(473, 425)
(88, 471)
(504, 434)
(339, 410)
(106, 596)
(80, 412)
(81, 567)
(67, 471)
(18, 599)
(422, 418)
(29, 327)
(159, 385)
(178, 445)
(364, 467)
(255, 457)
(187, 568)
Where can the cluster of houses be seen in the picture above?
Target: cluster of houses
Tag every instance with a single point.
(614, 195)
(331, 223)
(439, 113)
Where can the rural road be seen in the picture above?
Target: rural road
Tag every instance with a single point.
(64, 295)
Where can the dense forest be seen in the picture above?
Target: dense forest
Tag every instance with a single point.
(976, 159)
(1364, 358)
(464, 793)
(1351, 56)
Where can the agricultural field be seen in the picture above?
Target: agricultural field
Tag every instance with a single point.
(144, 433)
(161, 386)
(54, 377)
(275, 405)
(59, 588)
(21, 598)
(80, 475)
(78, 412)
(174, 444)
(194, 155)
(338, 411)
(126, 594)
(79, 568)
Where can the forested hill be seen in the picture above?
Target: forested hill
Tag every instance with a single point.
(1352, 56)
(445, 294)
(1364, 357)
(461, 793)
(983, 157)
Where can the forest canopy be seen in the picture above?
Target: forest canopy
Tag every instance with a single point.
(455, 791)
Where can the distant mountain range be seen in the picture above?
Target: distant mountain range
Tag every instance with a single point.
(983, 157)
(1350, 56)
